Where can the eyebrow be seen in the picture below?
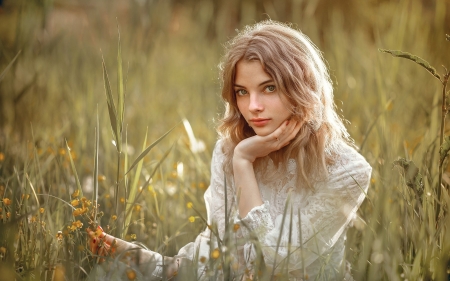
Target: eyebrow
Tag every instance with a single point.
(260, 84)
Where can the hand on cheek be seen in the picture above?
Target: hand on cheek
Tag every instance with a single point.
(259, 146)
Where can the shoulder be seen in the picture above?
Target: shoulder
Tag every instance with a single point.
(219, 147)
(349, 166)
(218, 154)
(346, 157)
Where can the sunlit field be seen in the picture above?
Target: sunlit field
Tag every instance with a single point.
(75, 154)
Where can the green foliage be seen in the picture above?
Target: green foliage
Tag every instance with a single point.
(170, 52)
(415, 59)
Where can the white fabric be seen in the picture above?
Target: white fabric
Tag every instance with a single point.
(324, 216)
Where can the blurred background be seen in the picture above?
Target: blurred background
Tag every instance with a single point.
(171, 50)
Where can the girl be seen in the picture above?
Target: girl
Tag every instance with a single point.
(285, 179)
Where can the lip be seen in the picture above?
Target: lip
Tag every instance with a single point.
(259, 122)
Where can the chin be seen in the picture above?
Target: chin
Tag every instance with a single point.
(262, 133)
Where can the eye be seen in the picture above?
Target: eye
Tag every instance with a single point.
(241, 92)
(270, 89)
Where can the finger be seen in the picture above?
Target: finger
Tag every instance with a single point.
(294, 131)
(286, 134)
(277, 135)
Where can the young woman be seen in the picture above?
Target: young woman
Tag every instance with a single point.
(283, 173)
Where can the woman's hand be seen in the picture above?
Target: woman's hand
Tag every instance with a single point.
(245, 154)
(100, 243)
(259, 146)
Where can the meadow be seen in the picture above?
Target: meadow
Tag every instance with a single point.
(66, 164)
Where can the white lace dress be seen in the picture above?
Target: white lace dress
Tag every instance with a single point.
(312, 239)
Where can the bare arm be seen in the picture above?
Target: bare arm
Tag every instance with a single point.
(246, 153)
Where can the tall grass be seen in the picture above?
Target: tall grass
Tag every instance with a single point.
(51, 91)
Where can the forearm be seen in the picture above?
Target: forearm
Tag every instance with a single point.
(148, 261)
(246, 185)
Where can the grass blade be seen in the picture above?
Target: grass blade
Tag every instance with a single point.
(280, 235)
(111, 106)
(133, 191)
(74, 171)
(120, 90)
(95, 195)
(154, 171)
(147, 150)
(416, 59)
(2, 75)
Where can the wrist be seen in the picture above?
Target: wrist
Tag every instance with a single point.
(240, 157)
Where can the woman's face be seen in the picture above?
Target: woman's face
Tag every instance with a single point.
(258, 99)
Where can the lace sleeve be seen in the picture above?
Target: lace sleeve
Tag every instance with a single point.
(220, 194)
(315, 225)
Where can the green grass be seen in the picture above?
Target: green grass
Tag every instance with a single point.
(170, 53)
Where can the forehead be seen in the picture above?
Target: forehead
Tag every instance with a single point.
(248, 72)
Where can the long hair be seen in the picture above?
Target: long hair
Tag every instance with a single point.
(300, 74)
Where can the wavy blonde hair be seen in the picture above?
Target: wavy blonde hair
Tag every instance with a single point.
(300, 74)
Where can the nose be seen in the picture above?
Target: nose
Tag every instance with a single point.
(255, 103)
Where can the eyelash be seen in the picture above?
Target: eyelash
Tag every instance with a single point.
(266, 90)
(238, 92)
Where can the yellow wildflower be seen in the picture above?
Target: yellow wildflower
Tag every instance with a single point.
(114, 217)
(86, 203)
(98, 232)
(76, 193)
(101, 178)
(41, 210)
(215, 254)
(62, 151)
(191, 218)
(7, 201)
(189, 205)
(236, 227)
(79, 211)
(75, 202)
(77, 224)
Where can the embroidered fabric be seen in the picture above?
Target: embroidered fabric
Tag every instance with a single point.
(294, 227)
(314, 235)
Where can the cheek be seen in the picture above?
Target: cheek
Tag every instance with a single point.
(240, 106)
